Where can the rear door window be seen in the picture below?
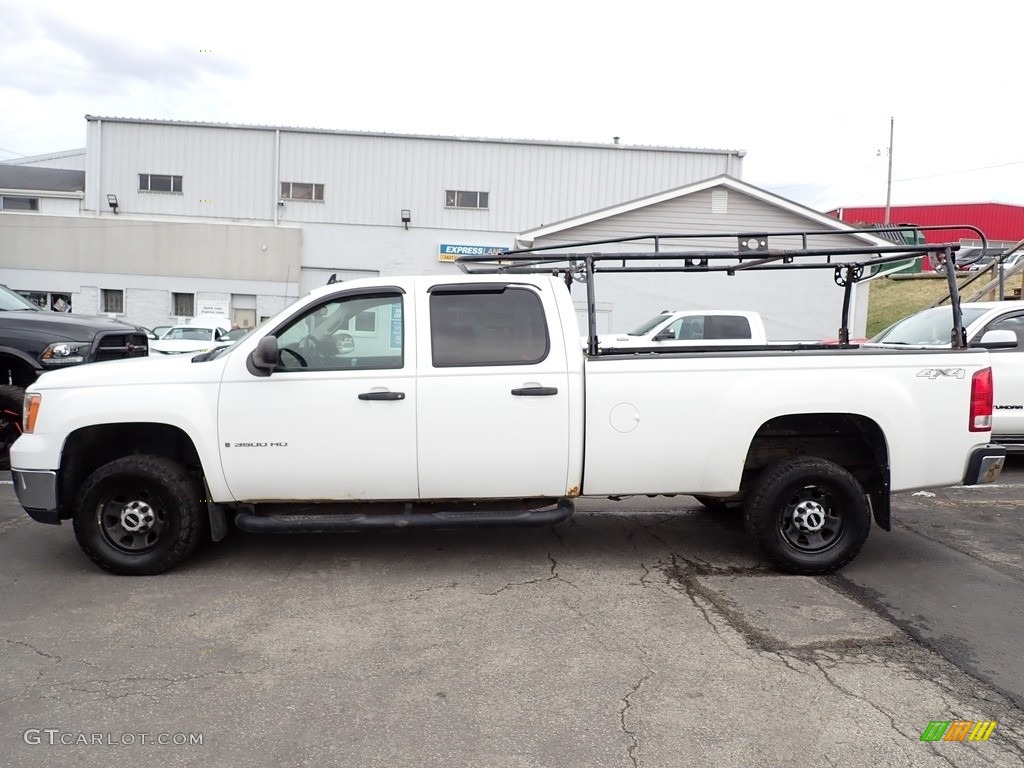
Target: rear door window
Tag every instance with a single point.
(493, 326)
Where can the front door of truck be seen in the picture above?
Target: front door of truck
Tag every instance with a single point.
(336, 420)
(494, 394)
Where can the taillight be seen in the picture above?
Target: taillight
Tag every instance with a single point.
(981, 401)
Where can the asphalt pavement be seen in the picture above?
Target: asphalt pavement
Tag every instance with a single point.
(647, 632)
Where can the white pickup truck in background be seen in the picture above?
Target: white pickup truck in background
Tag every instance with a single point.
(994, 325)
(692, 328)
(453, 401)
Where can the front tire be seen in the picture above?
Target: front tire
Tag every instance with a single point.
(11, 401)
(808, 515)
(138, 515)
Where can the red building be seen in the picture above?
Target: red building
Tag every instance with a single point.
(1002, 224)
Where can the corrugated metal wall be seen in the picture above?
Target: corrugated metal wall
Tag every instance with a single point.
(997, 220)
(228, 172)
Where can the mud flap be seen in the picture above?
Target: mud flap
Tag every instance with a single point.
(881, 508)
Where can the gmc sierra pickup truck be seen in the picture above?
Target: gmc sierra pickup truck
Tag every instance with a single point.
(692, 328)
(465, 400)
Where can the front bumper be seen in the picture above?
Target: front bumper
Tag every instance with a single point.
(985, 464)
(37, 493)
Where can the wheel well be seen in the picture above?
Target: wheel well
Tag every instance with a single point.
(854, 442)
(16, 372)
(88, 449)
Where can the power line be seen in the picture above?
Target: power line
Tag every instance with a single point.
(966, 170)
(11, 152)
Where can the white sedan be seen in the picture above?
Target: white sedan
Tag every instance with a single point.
(182, 339)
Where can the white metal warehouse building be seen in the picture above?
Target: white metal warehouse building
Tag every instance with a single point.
(177, 219)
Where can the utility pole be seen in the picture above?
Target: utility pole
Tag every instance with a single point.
(888, 184)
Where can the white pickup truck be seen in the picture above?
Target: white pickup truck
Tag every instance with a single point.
(692, 328)
(994, 325)
(466, 401)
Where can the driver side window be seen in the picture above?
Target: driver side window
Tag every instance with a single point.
(325, 337)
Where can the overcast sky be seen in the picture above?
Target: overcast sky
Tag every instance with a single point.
(807, 89)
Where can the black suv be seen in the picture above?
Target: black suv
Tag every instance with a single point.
(33, 341)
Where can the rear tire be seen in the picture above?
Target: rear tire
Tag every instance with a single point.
(808, 515)
(11, 401)
(138, 515)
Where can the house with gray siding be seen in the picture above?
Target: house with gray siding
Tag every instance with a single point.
(804, 305)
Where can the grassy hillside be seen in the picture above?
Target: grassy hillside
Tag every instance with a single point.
(892, 299)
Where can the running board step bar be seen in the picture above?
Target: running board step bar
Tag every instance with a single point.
(439, 519)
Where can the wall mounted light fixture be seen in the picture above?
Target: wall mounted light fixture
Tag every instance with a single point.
(112, 202)
(406, 217)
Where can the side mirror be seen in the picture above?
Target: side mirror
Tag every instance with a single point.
(999, 339)
(264, 359)
(666, 335)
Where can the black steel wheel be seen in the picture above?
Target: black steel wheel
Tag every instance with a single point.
(808, 515)
(138, 515)
(11, 401)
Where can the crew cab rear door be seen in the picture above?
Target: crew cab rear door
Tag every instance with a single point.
(493, 392)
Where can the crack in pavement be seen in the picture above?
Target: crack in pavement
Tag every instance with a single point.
(627, 705)
(32, 648)
(689, 587)
(555, 576)
(153, 684)
(913, 737)
(39, 675)
(416, 594)
(645, 577)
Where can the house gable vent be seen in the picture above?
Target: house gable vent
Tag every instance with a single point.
(720, 201)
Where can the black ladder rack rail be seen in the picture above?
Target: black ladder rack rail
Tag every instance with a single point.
(579, 261)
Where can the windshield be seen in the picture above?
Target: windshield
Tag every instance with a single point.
(640, 330)
(932, 326)
(10, 301)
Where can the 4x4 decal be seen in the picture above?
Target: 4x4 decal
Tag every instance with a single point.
(935, 373)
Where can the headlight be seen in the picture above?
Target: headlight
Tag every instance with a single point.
(65, 353)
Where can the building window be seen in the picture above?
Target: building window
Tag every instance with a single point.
(184, 304)
(112, 301)
(364, 321)
(294, 190)
(58, 302)
(8, 203)
(457, 198)
(156, 182)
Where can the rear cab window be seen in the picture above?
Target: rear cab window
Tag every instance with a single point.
(489, 324)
